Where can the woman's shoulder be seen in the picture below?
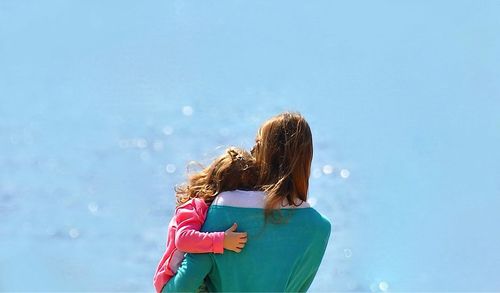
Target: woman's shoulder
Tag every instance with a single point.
(319, 220)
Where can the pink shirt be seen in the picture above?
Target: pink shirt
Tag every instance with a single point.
(184, 236)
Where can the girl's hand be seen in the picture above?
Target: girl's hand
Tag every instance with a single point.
(234, 241)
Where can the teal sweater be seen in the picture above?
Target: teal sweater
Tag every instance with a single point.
(277, 257)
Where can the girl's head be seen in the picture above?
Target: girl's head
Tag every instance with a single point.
(283, 153)
(234, 169)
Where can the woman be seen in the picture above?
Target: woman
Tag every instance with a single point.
(286, 237)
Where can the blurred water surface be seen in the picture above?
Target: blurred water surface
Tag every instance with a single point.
(103, 104)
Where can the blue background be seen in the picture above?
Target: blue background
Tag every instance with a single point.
(103, 104)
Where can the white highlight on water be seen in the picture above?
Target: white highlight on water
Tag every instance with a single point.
(383, 286)
(168, 130)
(344, 173)
(327, 169)
(170, 168)
(93, 207)
(141, 143)
(158, 145)
(347, 252)
(187, 110)
(74, 233)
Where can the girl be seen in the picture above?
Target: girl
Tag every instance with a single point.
(235, 169)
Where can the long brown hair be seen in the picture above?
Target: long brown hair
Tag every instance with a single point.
(234, 169)
(283, 152)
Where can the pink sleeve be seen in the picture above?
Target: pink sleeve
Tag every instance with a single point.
(188, 238)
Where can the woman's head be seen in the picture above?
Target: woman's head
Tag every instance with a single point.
(283, 152)
(234, 169)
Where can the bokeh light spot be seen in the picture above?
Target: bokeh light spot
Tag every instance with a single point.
(383, 286)
(187, 110)
(74, 233)
(170, 168)
(93, 207)
(168, 130)
(344, 173)
(327, 169)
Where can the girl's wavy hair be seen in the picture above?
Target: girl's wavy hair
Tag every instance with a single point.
(234, 169)
(283, 151)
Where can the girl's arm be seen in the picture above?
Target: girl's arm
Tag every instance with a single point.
(188, 238)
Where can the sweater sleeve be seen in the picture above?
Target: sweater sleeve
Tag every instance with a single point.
(191, 273)
(188, 238)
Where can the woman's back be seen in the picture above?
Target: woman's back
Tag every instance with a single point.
(280, 257)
